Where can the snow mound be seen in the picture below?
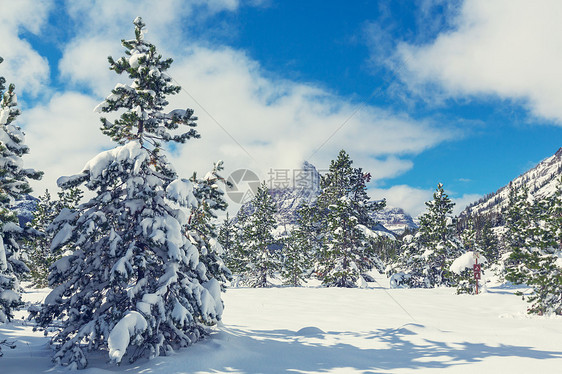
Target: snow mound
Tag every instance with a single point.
(466, 261)
(310, 331)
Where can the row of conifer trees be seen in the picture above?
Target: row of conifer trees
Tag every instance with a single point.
(332, 239)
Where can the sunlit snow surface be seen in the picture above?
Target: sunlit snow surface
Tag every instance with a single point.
(330, 330)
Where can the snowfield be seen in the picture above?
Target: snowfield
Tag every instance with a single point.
(333, 330)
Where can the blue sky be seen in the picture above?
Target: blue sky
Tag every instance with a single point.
(467, 93)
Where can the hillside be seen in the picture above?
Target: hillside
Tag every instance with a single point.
(540, 180)
(395, 220)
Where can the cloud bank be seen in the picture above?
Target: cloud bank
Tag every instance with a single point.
(509, 49)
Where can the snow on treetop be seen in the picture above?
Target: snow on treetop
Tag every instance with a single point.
(466, 261)
(131, 151)
(181, 191)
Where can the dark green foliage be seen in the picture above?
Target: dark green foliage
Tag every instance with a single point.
(202, 228)
(40, 256)
(229, 238)
(297, 257)
(488, 242)
(342, 222)
(426, 257)
(536, 250)
(259, 251)
(517, 219)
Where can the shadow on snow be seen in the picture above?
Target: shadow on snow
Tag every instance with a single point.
(275, 351)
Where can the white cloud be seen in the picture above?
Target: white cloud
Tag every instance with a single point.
(84, 64)
(508, 48)
(280, 123)
(62, 136)
(22, 65)
(411, 199)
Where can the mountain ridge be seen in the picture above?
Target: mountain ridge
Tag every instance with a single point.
(541, 180)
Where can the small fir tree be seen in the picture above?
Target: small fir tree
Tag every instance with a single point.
(488, 242)
(517, 219)
(310, 233)
(134, 284)
(426, 258)
(227, 238)
(202, 229)
(261, 250)
(40, 257)
(297, 261)
(465, 279)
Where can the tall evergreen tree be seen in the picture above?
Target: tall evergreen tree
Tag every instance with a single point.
(517, 219)
(488, 242)
(427, 257)
(535, 259)
(344, 210)
(134, 284)
(261, 250)
(297, 256)
(14, 184)
(202, 229)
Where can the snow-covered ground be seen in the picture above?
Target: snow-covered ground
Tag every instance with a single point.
(330, 330)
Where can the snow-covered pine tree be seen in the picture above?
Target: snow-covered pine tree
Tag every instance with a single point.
(344, 205)
(465, 274)
(236, 253)
(40, 257)
(297, 259)
(517, 219)
(134, 284)
(257, 242)
(227, 238)
(202, 229)
(14, 184)
(426, 258)
(488, 242)
(310, 232)
(536, 262)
